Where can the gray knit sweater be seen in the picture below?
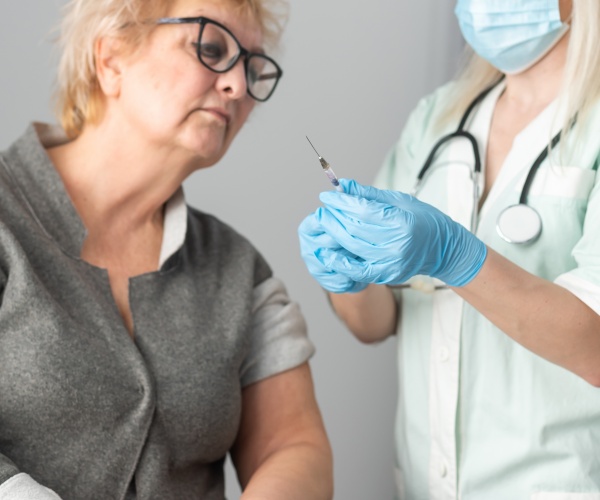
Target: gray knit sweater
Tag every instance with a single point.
(86, 411)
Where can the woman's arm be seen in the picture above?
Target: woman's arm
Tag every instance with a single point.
(371, 315)
(394, 236)
(282, 450)
(543, 317)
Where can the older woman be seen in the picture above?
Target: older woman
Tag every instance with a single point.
(142, 340)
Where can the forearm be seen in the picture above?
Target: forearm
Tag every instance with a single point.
(543, 317)
(371, 315)
(282, 450)
(301, 471)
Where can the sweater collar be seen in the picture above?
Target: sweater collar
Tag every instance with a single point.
(41, 188)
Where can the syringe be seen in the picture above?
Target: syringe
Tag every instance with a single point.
(328, 170)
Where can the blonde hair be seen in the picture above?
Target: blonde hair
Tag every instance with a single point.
(581, 80)
(77, 97)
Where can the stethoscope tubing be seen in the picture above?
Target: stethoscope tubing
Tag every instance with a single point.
(460, 132)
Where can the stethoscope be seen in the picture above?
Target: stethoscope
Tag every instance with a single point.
(518, 223)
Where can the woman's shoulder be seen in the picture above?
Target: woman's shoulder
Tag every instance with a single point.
(220, 242)
(425, 123)
(423, 127)
(429, 109)
(210, 225)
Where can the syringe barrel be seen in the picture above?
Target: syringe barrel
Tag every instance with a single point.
(332, 178)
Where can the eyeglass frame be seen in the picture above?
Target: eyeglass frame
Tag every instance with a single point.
(243, 52)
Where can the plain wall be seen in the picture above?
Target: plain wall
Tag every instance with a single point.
(352, 73)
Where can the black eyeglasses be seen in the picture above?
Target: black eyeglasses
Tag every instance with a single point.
(219, 51)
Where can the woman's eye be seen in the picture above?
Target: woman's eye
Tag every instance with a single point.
(252, 75)
(211, 51)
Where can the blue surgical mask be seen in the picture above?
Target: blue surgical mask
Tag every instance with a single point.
(512, 35)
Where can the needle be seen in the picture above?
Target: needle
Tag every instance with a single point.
(327, 169)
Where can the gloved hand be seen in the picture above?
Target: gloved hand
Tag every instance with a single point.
(389, 237)
(313, 242)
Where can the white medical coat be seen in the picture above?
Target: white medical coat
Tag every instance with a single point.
(479, 416)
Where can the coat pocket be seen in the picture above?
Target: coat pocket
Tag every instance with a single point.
(563, 182)
(565, 496)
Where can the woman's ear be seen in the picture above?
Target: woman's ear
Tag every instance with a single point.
(108, 52)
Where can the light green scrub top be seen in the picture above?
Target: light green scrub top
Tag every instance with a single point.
(480, 417)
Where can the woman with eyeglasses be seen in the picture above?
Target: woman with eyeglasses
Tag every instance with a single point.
(142, 340)
(493, 265)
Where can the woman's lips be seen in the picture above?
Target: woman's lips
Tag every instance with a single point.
(220, 113)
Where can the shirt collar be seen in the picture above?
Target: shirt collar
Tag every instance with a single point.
(175, 226)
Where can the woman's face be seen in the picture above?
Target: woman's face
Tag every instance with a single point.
(174, 101)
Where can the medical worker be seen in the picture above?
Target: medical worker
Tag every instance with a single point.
(493, 277)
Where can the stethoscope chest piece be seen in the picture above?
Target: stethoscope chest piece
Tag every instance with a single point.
(519, 224)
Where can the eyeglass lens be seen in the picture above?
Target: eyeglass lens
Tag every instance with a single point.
(219, 51)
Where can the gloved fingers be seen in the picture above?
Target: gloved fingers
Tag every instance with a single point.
(342, 263)
(368, 212)
(353, 188)
(310, 226)
(330, 280)
(362, 271)
(360, 238)
(335, 282)
(361, 209)
(313, 237)
(313, 240)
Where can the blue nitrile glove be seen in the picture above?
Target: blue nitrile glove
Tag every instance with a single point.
(390, 237)
(313, 240)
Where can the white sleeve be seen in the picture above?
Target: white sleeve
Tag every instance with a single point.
(23, 487)
(584, 280)
(587, 292)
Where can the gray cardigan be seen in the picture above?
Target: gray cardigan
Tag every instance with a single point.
(86, 411)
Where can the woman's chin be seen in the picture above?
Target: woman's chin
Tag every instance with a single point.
(209, 149)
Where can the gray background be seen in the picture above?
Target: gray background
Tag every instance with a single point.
(353, 71)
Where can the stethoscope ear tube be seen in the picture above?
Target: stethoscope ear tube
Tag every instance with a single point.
(459, 132)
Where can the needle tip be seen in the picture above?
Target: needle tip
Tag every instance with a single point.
(311, 144)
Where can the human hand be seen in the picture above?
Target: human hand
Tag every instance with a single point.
(387, 237)
(313, 243)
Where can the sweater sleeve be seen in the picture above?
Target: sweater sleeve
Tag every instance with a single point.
(279, 339)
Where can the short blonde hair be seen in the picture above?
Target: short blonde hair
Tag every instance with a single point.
(78, 99)
(581, 80)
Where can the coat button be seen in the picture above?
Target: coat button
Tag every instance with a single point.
(444, 354)
(443, 470)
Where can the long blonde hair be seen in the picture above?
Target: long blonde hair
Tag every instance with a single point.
(581, 80)
(77, 96)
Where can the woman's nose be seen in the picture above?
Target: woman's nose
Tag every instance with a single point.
(233, 82)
